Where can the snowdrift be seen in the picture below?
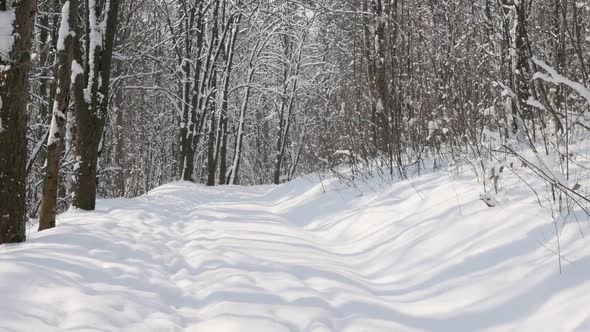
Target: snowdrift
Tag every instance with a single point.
(419, 255)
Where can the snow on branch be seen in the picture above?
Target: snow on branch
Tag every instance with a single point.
(553, 77)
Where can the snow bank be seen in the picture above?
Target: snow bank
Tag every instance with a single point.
(420, 255)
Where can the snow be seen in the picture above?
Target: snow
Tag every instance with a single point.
(64, 28)
(342, 152)
(76, 70)
(419, 255)
(54, 135)
(97, 30)
(553, 77)
(380, 106)
(535, 103)
(432, 126)
(6, 30)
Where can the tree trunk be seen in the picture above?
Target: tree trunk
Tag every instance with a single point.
(233, 176)
(65, 55)
(92, 113)
(223, 152)
(212, 104)
(187, 153)
(211, 162)
(234, 170)
(223, 120)
(14, 87)
(191, 93)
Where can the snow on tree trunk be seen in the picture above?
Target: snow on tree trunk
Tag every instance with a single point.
(91, 101)
(55, 142)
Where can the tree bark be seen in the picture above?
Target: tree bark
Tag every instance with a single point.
(92, 113)
(61, 104)
(14, 87)
(223, 120)
(191, 91)
(212, 104)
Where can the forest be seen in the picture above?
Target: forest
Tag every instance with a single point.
(112, 98)
(294, 165)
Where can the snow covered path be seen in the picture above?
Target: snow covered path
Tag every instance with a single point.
(425, 255)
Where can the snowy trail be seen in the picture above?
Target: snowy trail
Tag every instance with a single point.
(425, 255)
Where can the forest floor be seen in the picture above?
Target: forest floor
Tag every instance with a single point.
(418, 255)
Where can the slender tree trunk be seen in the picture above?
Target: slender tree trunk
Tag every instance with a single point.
(191, 93)
(233, 176)
(223, 120)
(43, 60)
(523, 75)
(65, 55)
(223, 152)
(186, 128)
(290, 85)
(381, 86)
(211, 161)
(212, 104)
(119, 153)
(239, 141)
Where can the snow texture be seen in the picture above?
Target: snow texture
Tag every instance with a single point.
(6, 34)
(97, 30)
(76, 70)
(535, 103)
(64, 28)
(420, 255)
(553, 77)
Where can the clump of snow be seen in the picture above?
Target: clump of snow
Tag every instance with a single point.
(432, 126)
(535, 103)
(64, 28)
(76, 70)
(418, 255)
(342, 152)
(6, 34)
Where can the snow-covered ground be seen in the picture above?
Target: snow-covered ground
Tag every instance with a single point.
(419, 255)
